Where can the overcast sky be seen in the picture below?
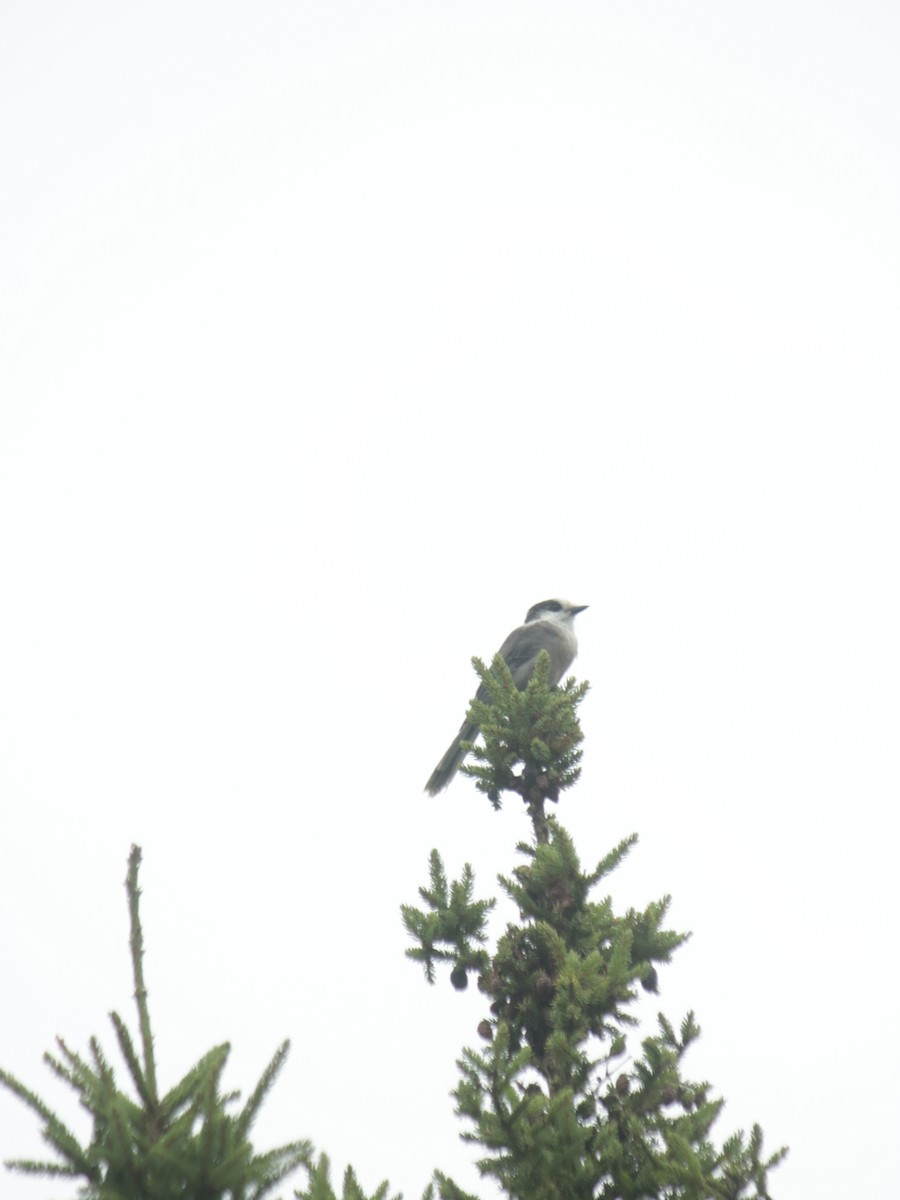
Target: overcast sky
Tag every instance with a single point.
(335, 335)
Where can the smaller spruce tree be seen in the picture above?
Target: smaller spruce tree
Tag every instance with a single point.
(189, 1142)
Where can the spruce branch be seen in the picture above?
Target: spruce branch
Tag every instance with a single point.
(138, 1077)
(148, 1075)
(320, 1187)
(266, 1080)
(55, 1133)
(447, 1189)
(454, 928)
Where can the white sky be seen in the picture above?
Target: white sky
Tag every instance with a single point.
(335, 336)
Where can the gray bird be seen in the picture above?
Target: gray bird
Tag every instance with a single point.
(548, 626)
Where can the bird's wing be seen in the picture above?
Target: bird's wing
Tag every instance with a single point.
(524, 644)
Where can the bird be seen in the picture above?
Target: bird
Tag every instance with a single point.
(547, 626)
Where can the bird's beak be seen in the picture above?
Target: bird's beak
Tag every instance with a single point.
(577, 608)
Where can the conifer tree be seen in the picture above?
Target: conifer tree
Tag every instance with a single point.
(566, 1100)
(188, 1142)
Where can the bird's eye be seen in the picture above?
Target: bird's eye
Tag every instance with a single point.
(553, 606)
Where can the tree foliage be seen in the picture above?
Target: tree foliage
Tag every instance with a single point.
(190, 1142)
(566, 1100)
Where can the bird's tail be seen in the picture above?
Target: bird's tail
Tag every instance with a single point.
(452, 760)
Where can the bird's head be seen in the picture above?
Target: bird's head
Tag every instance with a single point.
(561, 611)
